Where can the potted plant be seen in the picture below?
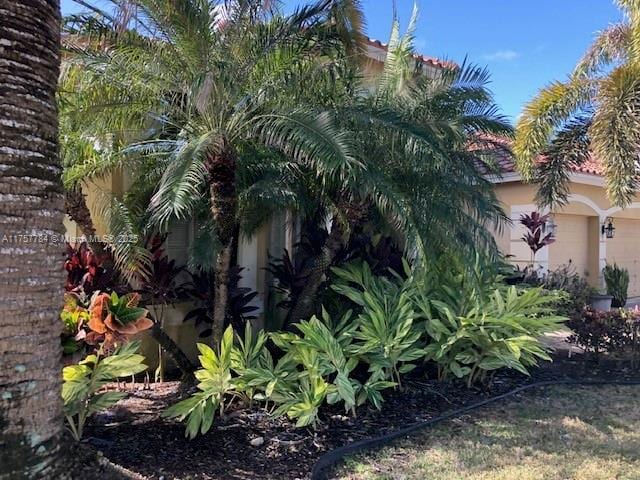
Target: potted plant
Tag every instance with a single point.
(617, 281)
(601, 301)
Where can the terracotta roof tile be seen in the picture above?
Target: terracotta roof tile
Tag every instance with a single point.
(505, 163)
(421, 58)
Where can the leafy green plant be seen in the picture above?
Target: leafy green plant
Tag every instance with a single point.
(317, 367)
(215, 385)
(249, 353)
(389, 340)
(74, 319)
(113, 319)
(502, 330)
(83, 383)
(617, 281)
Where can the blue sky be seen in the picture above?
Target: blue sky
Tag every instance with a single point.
(524, 43)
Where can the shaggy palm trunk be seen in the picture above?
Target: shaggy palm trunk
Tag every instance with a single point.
(174, 351)
(305, 305)
(224, 203)
(75, 205)
(31, 212)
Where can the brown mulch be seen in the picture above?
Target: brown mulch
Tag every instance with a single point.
(135, 437)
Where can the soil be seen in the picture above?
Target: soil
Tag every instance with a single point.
(249, 444)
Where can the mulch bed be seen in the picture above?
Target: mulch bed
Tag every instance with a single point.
(249, 444)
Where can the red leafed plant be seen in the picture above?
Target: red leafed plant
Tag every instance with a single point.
(535, 236)
(113, 319)
(86, 271)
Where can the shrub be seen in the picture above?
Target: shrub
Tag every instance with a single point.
(239, 310)
(605, 331)
(468, 322)
(215, 385)
(577, 289)
(88, 272)
(501, 332)
(389, 338)
(113, 319)
(565, 279)
(220, 380)
(81, 390)
(317, 367)
(74, 319)
(617, 281)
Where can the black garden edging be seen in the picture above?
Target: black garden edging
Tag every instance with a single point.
(331, 458)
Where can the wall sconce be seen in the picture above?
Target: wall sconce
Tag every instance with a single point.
(607, 228)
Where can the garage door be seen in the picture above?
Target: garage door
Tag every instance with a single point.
(571, 245)
(624, 249)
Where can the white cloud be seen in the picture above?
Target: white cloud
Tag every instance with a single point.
(501, 56)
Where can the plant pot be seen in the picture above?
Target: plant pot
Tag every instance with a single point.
(601, 302)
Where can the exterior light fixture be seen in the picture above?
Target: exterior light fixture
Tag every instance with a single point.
(607, 228)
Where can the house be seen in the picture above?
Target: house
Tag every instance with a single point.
(589, 231)
(580, 239)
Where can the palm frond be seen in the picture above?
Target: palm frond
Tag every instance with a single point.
(615, 132)
(308, 137)
(610, 46)
(568, 150)
(548, 111)
(399, 65)
(124, 238)
(181, 185)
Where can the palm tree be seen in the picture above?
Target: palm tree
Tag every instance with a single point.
(31, 214)
(205, 79)
(426, 141)
(595, 111)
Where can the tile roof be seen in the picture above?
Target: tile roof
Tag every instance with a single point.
(505, 162)
(435, 62)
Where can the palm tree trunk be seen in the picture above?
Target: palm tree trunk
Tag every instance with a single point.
(224, 202)
(75, 204)
(356, 214)
(31, 213)
(304, 306)
(174, 351)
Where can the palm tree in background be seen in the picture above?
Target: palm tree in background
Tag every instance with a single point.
(595, 111)
(427, 139)
(31, 290)
(197, 84)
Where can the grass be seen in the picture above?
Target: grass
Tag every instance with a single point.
(553, 433)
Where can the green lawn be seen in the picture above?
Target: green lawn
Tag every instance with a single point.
(551, 433)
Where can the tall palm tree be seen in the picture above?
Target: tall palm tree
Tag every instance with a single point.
(31, 213)
(205, 78)
(595, 111)
(426, 141)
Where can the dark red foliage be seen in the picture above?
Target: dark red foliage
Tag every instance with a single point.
(239, 307)
(88, 272)
(163, 286)
(605, 331)
(536, 237)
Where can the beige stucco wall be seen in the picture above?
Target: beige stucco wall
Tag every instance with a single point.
(578, 233)
(572, 244)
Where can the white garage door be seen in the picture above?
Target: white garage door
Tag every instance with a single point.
(624, 249)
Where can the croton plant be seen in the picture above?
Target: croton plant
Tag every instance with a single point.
(113, 319)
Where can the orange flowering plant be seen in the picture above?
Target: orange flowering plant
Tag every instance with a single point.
(113, 319)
